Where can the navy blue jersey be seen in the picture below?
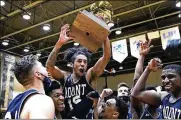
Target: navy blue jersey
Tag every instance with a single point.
(77, 104)
(129, 116)
(147, 115)
(16, 105)
(171, 110)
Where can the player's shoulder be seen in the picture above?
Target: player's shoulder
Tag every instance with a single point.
(163, 94)
(39, 100)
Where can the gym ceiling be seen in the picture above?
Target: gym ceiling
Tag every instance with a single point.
(134, 18)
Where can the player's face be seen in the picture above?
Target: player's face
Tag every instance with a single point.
(80, 65)
(58, 99)
(171, 80)
(108, 109)
(123, 91)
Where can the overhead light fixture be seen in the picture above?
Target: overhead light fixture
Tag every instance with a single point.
(179, 15)
(26, 49)
(27, 15)
(46, 27)
(69, 65)
(121, 67)
(5, 42)
(111, 24)
(118, 32)
(178, 4)
(38, 54)
(76, 44)
(2, 3)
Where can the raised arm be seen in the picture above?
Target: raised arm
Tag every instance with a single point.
(144, 49)
(105, 93)
(94, 72)
(136, 106)
(148, 97)
(55, 72)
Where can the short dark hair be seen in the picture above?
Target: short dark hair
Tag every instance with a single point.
(122, 108)
(54, 85)
(23, 68)
(123, 84)
(71, 53)
(175, 67)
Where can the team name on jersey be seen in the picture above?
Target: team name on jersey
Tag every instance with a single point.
(170, 112)
(76, 90)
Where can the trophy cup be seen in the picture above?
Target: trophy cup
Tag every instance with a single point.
(90, 29)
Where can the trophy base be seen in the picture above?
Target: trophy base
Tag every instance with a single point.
(89, 30)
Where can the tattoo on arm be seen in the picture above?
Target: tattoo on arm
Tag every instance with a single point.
(52, 58)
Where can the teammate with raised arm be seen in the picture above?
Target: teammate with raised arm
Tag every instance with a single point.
(171, 80)
(139, 110)
(79, 83)
(33, 103)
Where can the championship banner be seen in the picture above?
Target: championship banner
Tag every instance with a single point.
(169, 34)
(153, 35)
(7, 79)
(135, 44)
(119, 50)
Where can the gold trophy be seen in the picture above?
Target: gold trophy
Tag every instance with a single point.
(90, 29)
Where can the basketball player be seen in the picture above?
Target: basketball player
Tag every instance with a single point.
(150, 111)
(140, 110)
(33, 103)
(56, 93)
(112, 108)
(79, 83)
(171, 80)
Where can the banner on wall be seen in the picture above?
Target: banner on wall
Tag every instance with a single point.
(135, 44)
(7, 79)
(169, 34)
(153, 35)
(119, 50)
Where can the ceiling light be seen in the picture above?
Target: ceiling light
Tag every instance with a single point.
(46, 27)
(5, 42)
(26, 49)
(121, 67)
(76, 44)
(27, 16)
(179, 15)
(38, 54)
(118, 32)
(2, 3)
(69, 65)
(110, 24)
(178, 4)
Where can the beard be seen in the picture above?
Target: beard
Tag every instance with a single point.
(124, 98)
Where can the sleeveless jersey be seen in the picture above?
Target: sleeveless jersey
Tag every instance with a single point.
(77, 104)
(147, 115)
(129, 116)
(171, 110)
(16, 105)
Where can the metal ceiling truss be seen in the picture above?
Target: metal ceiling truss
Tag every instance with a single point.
(145, 21)
(124, 37)
(66, 15)
(74, 11)
(34, 4)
